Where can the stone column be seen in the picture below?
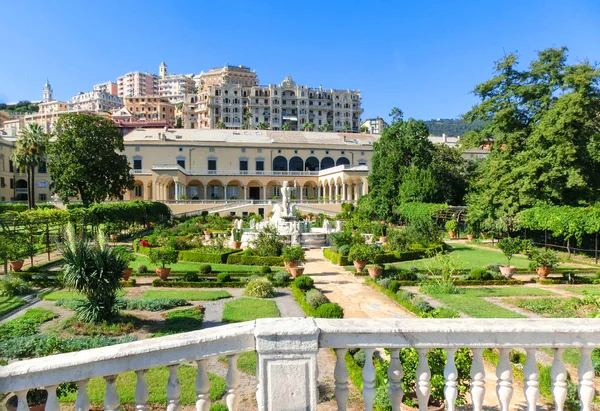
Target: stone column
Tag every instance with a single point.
(245, 192)
(337, 190)
(225, 192)
(265, 193)
(206, 192)
(362, 188)
(176, 190)
(330, 193)
(301, 193)
(344, 192)
(356, 192)
(287, 357)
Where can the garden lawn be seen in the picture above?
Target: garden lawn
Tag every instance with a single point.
(589, 289)
(156, 380)
(69, 294)
(7, 304)
(554, 307)
(247, 309)
(189, 295)
(467, 258)
(189, 266)
(471, 301)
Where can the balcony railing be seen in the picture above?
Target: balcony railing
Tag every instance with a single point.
(287, 361)
(251, 173)
(140, 171)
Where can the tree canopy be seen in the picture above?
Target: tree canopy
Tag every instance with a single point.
(84, 159)
(544, 127)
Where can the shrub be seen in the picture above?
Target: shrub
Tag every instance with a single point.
(384, 282)
(315, 298)
(359, 252)
(394, 286)
(150, 304)
(265, 269)
(295, 253)
(162, 256)
(480, 274)
(254, 260)
(329, 310)
(281, 277)
(259, 288)
(451, 225)
(343, 249)
(142, 269)
(359, 358)
(304, 283)
(191, 277)
(223, 277)
(205, 256)
(268, 242)
(205, 269)
(511, 246)
(495, 268)
(423, 306)
(11, 285)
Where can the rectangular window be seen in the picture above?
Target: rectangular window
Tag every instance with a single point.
(181, 163)
(137, 164)
(12, 183)
(212, 165)
(42, 169)
(11, 167)
(43, 197)
(243, 165)
(260, 165)
(2, 182)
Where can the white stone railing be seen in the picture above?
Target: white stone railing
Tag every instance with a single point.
(287, 361)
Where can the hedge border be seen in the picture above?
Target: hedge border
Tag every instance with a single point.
(239, 259)
(197, 284)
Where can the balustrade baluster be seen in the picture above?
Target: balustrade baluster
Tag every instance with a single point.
(532, 376)
(82, 403)
(341, 379)
(202, 387)
(451, 376)
(558, 373)
(52, 401)
(232, 380)
(504, 389)
(395, 380)
(111, 397)
(586, 379)
(477, 380)
(368, 379)
(423, 375)
(173, 389)
(141, 391)
(22, 404)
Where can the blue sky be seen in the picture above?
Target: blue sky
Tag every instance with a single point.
(422, 56)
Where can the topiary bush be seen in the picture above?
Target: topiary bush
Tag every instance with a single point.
(359, 358)
(281, 277)
(259, 288)
(11, 286)
(265, 269)
(423, 306)
(223, 277)
(343, 249)
(394, 286)
(304, 283)
(191, 277)
(329, 310)
(480, 274)
(205, 269)
(315, 298)
(384, 282)
(142, 269)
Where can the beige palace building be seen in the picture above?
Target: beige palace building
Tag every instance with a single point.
(243, 170)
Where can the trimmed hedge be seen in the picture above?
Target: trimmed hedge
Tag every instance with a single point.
(336, 258)
(239, 259)
(197, 256)
(198, 284)
(386, 258)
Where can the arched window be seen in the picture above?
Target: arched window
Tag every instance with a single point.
(21, 184)
(327, 162)
(280, 163)
(312, 164)
(342, 160)
(296, 164)
(362, 162)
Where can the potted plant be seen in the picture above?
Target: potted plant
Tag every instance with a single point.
(292, 256)
(360, 255)
(471, 232)
(383, 237)
(375, 270)
(296, 271)
(543, 261)
(36, 400)
(16, 251)
(207, 232)
(451, 226)
(126, 257)
(163, 256)
(236, 233)
(510, 247)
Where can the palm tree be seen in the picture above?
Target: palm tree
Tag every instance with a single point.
(29, 152)
(248, 116)
(220, 124)
(262, 126)
(286, 127)
(346, 128)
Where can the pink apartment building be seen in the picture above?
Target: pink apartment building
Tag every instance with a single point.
(137, 84)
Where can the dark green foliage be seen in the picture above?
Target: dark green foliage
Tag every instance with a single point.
(191, 277)
(223, 277)
(197, 284)
(304, 283)
(13, 285)
(265, 269)
(205, 269)
(480, 274)
(315, 298)
(26, 324)
(281, 278)
(254, 260)
(150, 304)
(23, 106)
(268, 243)
(163, 256)
(393, 286)
(201, 256)
(142, 269)
(451, 127)
(330, 310)
(359, 357)
(84, 160)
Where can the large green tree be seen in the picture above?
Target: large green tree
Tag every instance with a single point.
(84, 160)
(545, 132)
(30, 150)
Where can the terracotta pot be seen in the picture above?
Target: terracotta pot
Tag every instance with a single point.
(126, 273)
(236, 244)
(359, 265)
(296, 271)
(482, 234)
(383, 239)
(470, 237)
(163, 273)
(207, 232)
(114, 237)
(543, 272)
(508, 271)
(452, 234)
(375, 272)
(16, 265)
(290, 265)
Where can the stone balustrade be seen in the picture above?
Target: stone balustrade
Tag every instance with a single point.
(287, 361)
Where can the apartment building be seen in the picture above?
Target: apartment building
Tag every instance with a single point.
(174, 86)
(95, 101)
(137, 84)
(150, 109)
(374, 125)
(109, 87)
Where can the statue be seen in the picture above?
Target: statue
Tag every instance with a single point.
(326, 226)
(252, 224)
(286, 195)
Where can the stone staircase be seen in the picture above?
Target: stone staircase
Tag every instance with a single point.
(313, 240)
